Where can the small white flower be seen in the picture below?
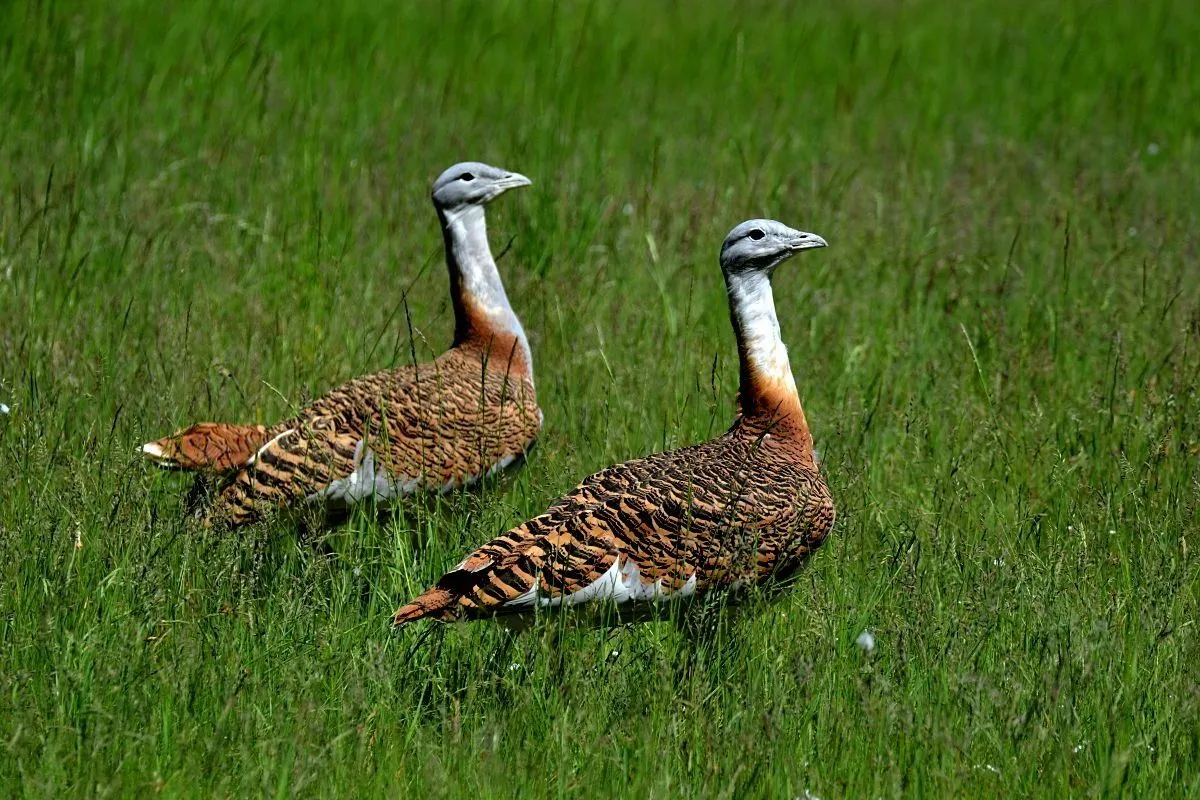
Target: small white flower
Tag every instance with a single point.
(1111, 532)
(998, 562)
(1071, 528)
(865, 641)
(988, 767)
(3, 408)
(614, 654)
(357, 571)
(513, 667)
(1079, 746)
(1152, 148)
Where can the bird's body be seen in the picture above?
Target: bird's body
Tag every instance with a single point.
(748, 506)
(432, 427)
(726, 513)
(423, 427)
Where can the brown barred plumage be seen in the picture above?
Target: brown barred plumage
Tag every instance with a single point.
(431, 426)
(748, 506)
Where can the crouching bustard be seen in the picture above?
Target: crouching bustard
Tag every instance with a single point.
(431, 426)
(748, 506)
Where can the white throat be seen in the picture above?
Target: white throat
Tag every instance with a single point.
(473, 268)
(753, 308)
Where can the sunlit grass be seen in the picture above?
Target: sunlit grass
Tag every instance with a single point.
(218, 211)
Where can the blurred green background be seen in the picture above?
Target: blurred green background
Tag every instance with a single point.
(220, 210)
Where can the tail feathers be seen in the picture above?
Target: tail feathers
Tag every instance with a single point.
(213, 446)
(437, 603)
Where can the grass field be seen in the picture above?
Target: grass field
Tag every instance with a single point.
(218, 211)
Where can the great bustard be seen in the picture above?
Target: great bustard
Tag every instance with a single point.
(748, 506)
(430, 426)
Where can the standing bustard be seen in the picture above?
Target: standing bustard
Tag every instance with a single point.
(742, 508)
(431, 426)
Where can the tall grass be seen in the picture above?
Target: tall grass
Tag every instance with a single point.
(218, 211)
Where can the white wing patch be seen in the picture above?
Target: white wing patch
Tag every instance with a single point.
(367, 480)
(370, 479)
(260, 450)
(620, 584)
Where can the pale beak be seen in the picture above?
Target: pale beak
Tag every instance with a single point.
(805, 241)
(513, 180)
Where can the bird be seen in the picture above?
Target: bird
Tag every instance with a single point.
(421, 427)
(742, 509)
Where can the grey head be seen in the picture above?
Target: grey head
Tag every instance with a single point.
(760, 245)
(472, 183)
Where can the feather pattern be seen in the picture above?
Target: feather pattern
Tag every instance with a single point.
(748, 506)
(736, 510)
(431, 426)
(216, 446)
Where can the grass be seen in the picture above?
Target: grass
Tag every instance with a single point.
(218, 211)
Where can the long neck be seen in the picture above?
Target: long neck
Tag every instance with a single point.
(482, 313)
(767, 394)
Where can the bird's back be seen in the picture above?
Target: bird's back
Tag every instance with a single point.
(732, 511)
(430, 426)
(737, 508)
(446, 422)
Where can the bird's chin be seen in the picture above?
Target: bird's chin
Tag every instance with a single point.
(492, 195)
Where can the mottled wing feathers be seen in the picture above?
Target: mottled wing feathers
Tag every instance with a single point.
(452, 420)
(432, 427)
(214, 446)
(720, 514)
(295, 464)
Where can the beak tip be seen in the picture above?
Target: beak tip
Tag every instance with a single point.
(810, 241)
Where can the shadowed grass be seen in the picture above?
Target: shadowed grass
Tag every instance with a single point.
(218, 211)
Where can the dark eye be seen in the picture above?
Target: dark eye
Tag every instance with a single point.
(466, 176)
(756, 234)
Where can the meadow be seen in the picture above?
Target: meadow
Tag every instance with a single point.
(220, 210)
